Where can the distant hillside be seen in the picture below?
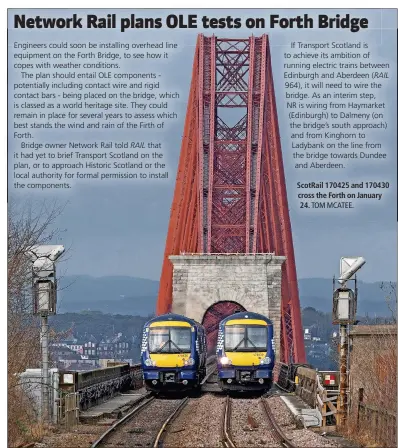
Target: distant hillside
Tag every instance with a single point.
(114, 295)
(137, 296)
(98, 324)
(317, 293)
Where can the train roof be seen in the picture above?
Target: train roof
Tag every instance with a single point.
(247, 315)
(172, 316)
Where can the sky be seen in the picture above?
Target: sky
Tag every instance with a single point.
(120, 228)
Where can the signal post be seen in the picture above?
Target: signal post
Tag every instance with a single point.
(44, 292)
(344, 312)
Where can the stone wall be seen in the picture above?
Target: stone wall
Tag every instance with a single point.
(253, 281)
(373, 365)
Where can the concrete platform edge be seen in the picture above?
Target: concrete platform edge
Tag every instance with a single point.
(306, 416)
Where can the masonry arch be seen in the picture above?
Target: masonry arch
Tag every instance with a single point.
(212, 317)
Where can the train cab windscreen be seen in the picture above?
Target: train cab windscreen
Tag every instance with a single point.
(245, 338)
(169, 340)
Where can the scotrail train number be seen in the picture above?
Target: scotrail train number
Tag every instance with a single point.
(377, 184)
(337, 184)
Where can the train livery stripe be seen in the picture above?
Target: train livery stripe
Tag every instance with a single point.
(170, 323)
(246, 322)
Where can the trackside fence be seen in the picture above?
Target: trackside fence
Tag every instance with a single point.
(70, 405)
(313, 387)
(81, 390)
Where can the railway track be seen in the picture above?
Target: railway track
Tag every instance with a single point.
(279, 435)
(258, 431)
(211, 371)
(210, 382)
(163, 430)
(145, 425)
(227, 440)
(127, 431)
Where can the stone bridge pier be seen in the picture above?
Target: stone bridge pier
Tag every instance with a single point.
(209, 287)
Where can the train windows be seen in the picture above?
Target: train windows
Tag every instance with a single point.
(170, 340)
(181, 337)
(157, 339)
(245, 338)
(257, 337)
(234, 337)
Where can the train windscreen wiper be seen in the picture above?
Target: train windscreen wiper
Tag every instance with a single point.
(249, 340)
(171, 342)
(235, 348)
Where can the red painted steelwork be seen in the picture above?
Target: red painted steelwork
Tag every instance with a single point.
(212, 318)
(230, 194)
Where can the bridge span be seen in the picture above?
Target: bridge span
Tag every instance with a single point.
(230, 197)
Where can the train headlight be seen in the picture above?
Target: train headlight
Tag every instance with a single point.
(189, 362)
(266, 360)
(225, 361)
(150, 363)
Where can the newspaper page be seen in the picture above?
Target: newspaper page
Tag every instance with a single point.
(202, 227)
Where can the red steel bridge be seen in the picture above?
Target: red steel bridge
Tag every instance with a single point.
(230, 194)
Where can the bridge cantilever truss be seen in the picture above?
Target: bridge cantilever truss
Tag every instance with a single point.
(230, 194)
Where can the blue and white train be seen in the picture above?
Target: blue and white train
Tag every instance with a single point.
(173, 353)
(245, 352)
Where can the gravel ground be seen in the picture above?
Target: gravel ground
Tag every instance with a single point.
(142, 429)
(198, 425)
(249, 427)
(301, 437)
(81, 437)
